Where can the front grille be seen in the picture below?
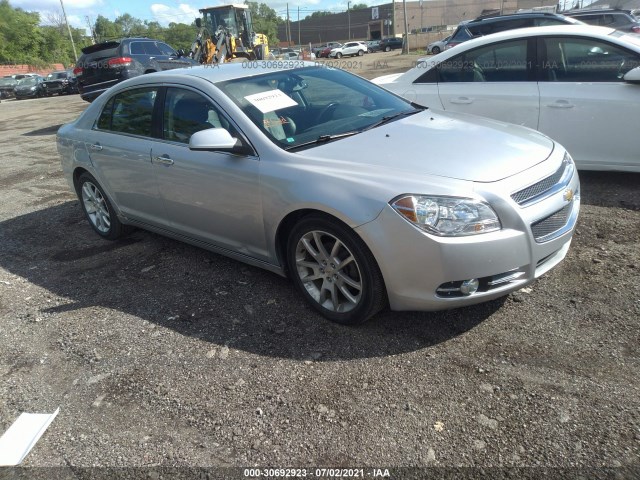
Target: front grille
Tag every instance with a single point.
(539, 189)
(546, 229)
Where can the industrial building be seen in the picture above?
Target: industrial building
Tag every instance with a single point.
(388, 20)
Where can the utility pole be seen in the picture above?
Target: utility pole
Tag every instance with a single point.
(288, 28)
(75, 54)
(349, 18)
(405, 44)
(93, 33)
(299, 42)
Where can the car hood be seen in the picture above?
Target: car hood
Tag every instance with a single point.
(386, 78)
(458, 146)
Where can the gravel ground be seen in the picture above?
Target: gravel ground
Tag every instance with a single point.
(162, 354)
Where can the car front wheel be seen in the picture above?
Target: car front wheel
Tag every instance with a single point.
(97, 208)
(387, 48)
(338, 55)
(435, 50)
(335, 271)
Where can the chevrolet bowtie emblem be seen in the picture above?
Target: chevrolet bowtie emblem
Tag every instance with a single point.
(568, 194)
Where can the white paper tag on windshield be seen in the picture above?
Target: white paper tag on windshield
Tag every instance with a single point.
(270, 100)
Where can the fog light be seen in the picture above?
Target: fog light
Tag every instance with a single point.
(469, 287)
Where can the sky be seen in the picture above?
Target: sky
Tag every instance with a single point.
(167, 12)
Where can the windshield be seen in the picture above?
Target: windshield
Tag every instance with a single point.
(7, 81)
(295, 107)
(27, 81)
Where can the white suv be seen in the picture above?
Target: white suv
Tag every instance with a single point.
(349, 49)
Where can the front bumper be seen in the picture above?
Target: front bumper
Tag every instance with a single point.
(29, 94)
(424, 272)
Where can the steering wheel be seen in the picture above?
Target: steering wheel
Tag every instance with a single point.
(621, 71)
(478, 73)
(327, 111)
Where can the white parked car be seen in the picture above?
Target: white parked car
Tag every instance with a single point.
(438, 46)
(349, 49)
(582, 89)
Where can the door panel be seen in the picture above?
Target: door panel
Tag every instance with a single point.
(120, 151)
(585, 104)
(493, 81)
(214, 197)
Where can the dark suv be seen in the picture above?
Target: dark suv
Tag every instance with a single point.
(390, 43)
(622, 20)
(103, 65)
(60, 82)
(488, 24)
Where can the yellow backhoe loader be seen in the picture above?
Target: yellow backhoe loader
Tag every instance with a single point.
(226, 33)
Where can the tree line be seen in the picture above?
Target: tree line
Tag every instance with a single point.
(23, 40)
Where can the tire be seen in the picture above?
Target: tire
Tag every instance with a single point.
(350, 293)
(360, 53)
(387, 48)
(435, 50)
(338, 55)
(98, 210)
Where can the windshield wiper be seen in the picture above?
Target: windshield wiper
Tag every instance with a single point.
(395, 116)
(323, 139)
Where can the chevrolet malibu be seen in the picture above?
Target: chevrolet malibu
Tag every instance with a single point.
(362, 198)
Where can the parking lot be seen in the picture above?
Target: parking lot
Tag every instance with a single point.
(160, 353)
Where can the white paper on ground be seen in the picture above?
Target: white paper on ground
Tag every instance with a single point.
(21, 437)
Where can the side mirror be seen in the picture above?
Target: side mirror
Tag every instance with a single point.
(198, 22)
(180, 53)
(217, 139)
(632, 76)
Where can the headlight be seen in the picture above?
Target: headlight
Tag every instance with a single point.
(33, 89)
(447, 216)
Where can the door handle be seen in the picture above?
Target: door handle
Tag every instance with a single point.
(96, 146)
(561, 104)
(462, 100)
(163, 160)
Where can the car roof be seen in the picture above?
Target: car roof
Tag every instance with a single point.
(490, 18)
(595, 10)
(215, 74)
(588, 30)
(603, 33)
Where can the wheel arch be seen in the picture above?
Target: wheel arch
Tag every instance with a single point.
(76, 176)
(291, 219)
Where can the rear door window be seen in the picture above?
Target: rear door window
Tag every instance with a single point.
(130, 112)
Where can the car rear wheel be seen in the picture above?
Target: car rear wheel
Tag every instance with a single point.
(387, 48)
(98, 209)
(335, 271)
(360, 53)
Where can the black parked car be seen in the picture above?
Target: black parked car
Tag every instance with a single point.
(29, 87)
(7, 86)
(105, 64)
(60, 82)
(622, 20)
(488, 24)
(391, 43)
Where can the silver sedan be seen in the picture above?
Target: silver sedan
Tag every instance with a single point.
(362, 198)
